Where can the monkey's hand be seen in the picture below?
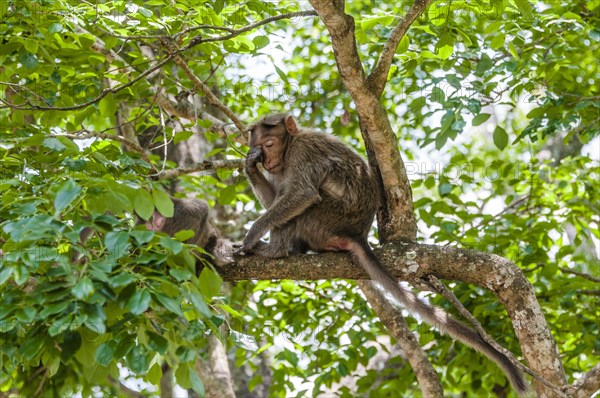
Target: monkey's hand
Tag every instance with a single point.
(252, 239)
(255, 156)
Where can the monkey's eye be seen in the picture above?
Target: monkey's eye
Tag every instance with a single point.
(269, 144)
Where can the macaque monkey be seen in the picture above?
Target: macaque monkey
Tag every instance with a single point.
(322, 196)
(193, 214)
(188, 214)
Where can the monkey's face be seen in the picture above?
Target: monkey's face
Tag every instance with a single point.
(273, 139)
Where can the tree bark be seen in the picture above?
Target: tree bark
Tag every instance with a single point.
(413, 262)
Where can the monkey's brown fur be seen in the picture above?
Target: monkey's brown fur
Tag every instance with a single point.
(193, 214)
(321, 196)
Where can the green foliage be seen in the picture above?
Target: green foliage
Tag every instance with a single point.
(484, 87)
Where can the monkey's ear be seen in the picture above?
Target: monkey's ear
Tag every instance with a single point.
(290, 125)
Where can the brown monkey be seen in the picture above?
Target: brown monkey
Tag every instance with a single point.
(321, 196)
(188, 214)
(193, 214)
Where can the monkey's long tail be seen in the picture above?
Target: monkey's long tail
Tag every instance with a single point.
(436, 316)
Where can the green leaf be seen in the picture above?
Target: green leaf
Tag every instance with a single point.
(281, 74)
(182, 375)
(500, 138)
(438, 13)
(83, 289)
(137, 360)
(218, 6)
(196, 383)
(157, 342)
(199, 303)
(445, 52)
(67, 192)
(261, 41)
(31, 347)
(142, 236)
(155, 374)
(445, 188)
(104, 354)
(173, 245)
(480, 119)
(122, 279)
(30, 45)
(139, 302)
(209, 282)
(163, 203)
(143, 204)
(180, 274)
(182, 136)
(28, 60)
(227, 195)
(55, 27)
(169, 303)
(498, 41)
(525, 8)
(5, 274)
(145, 12)
(54, 144)
(54, 309)
(107, 106)
(255, 381)
(71, 343)
(370, 23)
(117, 242)
(403, 45)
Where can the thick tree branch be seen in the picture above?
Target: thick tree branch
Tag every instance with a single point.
(413, 262)
(429, 382)
(396, 217)
(378, 76)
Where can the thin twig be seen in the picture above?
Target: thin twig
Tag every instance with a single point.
(581, 274)
(236, 32)
(203, 166)
(40, 387)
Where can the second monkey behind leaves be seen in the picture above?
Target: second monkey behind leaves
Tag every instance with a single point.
(322, 196)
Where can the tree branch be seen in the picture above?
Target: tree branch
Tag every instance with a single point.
(236, 32)
(187, 111)
(212, 99)
(128, 392)
(204, 166)
(588, 384)
(581, 274)
(447, 293)
(396, 216)
(378, 76)
(413, 262)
